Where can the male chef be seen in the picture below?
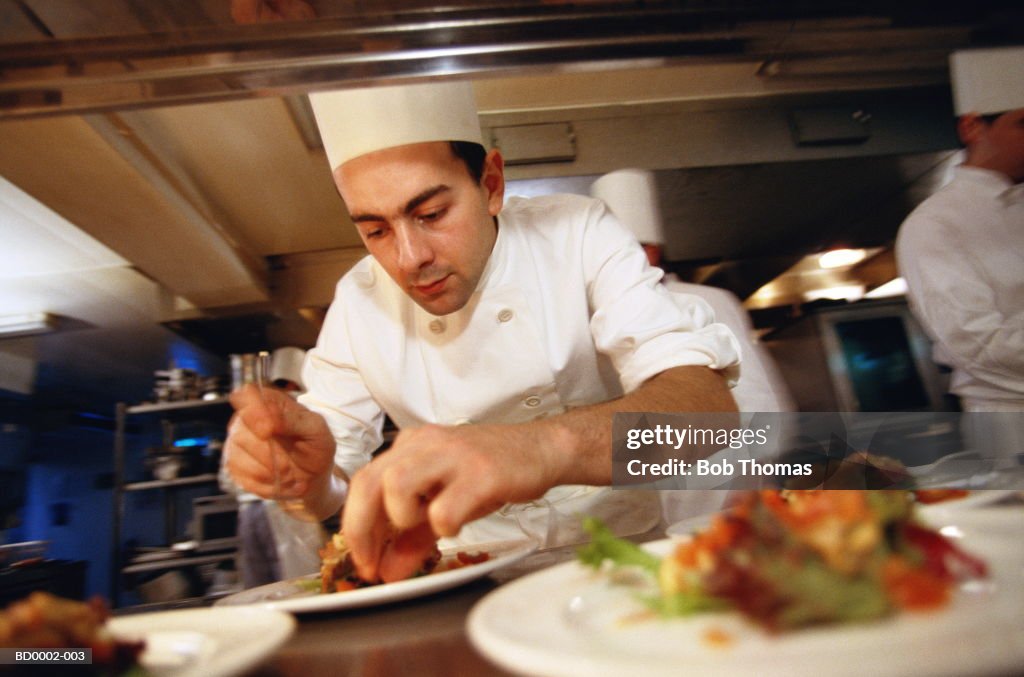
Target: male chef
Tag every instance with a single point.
(500, 337)
(962, 250)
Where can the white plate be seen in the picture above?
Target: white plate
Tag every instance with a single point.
(205, 642)
(1006, 521)
(571, 620)
(688, 526)
(295, 595)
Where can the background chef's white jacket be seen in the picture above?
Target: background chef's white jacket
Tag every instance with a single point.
(962, 254)
(567, 312)
(761, 389)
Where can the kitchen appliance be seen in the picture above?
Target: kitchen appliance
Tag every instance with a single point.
(215, 522)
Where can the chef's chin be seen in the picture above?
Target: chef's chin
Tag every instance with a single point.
(445, 303)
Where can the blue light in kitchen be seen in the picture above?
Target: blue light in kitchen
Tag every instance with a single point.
(192, 442)
(184, 356)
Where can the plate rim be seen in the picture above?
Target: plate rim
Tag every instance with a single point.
(516, 654)
(279, 629)
(387, 593)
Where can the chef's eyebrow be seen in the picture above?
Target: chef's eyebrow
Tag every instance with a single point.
(410, 206)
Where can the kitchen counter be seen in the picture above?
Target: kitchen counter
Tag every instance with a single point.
(425, 636)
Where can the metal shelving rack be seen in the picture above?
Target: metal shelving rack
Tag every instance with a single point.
(169, 413)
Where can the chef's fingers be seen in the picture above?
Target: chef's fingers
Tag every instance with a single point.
(434, 462)
(250, 457)
(249, 472)
(364, 521)
(408, 485)
(298, 421)
(406, 552)
(257, 410)
(242, 440)
(465, 499)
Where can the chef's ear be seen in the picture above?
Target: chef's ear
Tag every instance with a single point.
(969, 127)
(493, 181)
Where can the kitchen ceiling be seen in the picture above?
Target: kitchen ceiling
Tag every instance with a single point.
(214, 219)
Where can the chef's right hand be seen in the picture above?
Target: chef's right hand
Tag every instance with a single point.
(270, 428)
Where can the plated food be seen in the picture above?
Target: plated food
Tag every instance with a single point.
(790, 559)
(45, 621)
(930, 496)
(456, 567)
(572, 619)
(338, 573)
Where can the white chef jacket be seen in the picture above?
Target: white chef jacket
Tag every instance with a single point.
(567, 313)
(759, 389)
(962, 254)
(762, 388)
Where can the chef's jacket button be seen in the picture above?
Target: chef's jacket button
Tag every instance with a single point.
(532, 401)
(505, 315)
(436, 326)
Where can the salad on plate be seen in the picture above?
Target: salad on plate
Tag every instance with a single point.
(792, 559)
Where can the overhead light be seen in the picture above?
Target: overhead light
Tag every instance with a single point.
(27, 324)
(894, 287)
(838, 258)
(847, 292)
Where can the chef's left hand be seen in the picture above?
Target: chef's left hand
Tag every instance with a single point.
(435, 479)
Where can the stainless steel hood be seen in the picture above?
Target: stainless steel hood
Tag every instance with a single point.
(165, 53)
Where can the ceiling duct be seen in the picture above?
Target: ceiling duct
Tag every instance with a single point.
(353, 45)
(531, 144)
(829, 126)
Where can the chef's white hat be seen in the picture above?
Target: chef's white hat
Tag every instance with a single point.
(632, 196)
(354, 122)
(987, 80)
(286, 365)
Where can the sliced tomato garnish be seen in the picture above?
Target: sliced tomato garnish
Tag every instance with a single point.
(472, 558)
(910, 587)
(942, 557)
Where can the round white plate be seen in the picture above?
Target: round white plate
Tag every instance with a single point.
(205, 642)
(690, 525)
(987, 520)
(571, 620)
(297, 596)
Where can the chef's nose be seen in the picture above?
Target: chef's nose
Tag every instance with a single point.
(414, 250)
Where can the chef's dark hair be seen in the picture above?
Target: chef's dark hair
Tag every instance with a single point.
(987, 118)
(472, 155)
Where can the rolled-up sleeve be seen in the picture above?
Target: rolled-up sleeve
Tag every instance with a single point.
(335, 390)
(634, 319)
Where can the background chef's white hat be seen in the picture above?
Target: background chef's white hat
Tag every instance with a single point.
(354, 122)
(632, 196)
(286, 365)
(987, 80)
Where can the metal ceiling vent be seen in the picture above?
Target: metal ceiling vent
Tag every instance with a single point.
(532, 144)
(829, 126)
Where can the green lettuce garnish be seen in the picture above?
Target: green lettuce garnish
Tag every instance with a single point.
(605, 546)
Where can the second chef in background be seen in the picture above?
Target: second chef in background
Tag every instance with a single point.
(500, 338)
